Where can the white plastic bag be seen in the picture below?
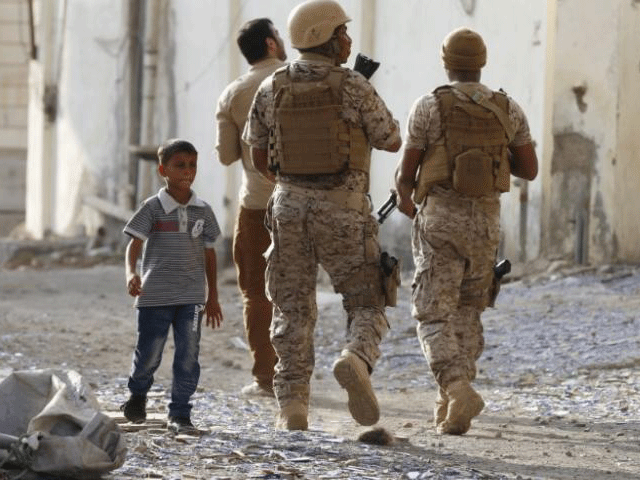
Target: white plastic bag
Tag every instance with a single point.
(58, 427)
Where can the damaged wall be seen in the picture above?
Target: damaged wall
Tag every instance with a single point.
(592, 195)
(572, 168)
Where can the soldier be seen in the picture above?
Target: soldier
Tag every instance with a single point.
(264, 50)
(313, 123)
(474, 139)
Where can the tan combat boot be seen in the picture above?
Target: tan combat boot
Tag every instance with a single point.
(464, 404)
(353, 375)
(440, 408)
(293, 416)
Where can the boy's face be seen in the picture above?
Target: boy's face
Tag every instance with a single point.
(180, 171)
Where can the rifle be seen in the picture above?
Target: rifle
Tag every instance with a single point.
(366, 66)
(387, 207)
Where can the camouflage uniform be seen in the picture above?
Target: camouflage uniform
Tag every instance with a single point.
(454, 241)
(309, 228)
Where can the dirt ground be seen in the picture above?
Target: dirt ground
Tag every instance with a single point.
(559, 376)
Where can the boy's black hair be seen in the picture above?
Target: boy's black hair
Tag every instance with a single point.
(252, 39)
(172, 146)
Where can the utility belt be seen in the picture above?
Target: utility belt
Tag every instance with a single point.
(487, 204)
(357, 201)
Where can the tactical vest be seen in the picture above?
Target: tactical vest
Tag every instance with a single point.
(471, 157)
(310, 137)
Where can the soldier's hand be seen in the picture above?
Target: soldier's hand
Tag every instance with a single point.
(406, 206)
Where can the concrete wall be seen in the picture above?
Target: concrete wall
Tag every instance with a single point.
(77, 144)
(14, 58)
(625, 221)
(591, 214)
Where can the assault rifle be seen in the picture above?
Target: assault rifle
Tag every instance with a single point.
(387, 207)
(365, 66)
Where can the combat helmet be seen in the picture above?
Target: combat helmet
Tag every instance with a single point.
(313, 22)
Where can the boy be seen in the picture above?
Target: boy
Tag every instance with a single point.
(177, 230)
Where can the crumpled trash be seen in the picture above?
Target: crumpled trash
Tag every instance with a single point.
(50, 422)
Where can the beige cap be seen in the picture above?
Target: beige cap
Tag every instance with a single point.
(464, 49)
(312, 23)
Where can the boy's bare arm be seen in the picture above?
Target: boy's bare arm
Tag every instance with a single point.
(212, 308)
(134, 284)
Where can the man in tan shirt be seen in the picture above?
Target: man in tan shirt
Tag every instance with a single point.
(261, 45)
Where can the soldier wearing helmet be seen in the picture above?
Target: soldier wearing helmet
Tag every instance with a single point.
(463, 143)
(311, 127)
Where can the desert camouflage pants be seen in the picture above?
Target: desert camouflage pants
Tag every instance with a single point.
(308, 230)
(454, 244)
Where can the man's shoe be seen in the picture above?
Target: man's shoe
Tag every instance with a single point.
(293, 416)
(353, 375)
(180, 425)
(256, 390)
(464, 404)
(134, 409)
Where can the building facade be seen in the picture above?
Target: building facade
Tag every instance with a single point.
(125, 75)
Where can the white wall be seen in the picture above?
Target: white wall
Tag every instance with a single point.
(92, 115)
(626, 194)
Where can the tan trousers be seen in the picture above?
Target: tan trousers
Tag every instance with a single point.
(250, 241)
(307, 231)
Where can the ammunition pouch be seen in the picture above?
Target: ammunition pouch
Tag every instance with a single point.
(433, 168)
(473, 173)
(390, 268)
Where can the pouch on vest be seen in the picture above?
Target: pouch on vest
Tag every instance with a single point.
(434, 168)
(473, 173)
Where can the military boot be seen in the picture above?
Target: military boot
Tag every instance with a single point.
(293, 416)
(441, 407)
(464, 404)
(294, 406)
(352, 374)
